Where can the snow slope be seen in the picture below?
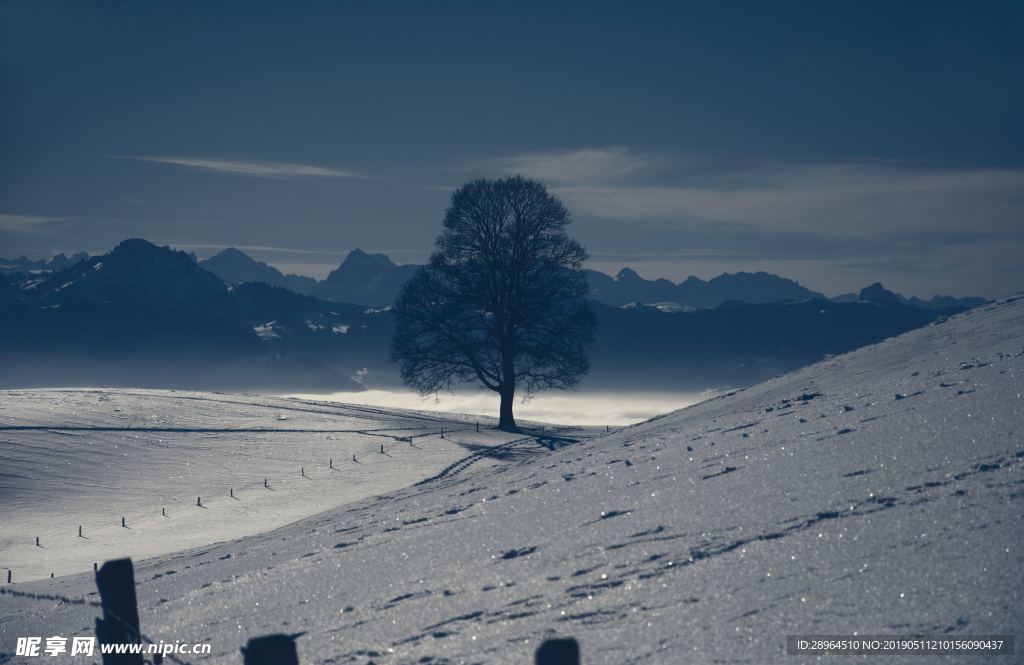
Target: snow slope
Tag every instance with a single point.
(89, 457)
(878, 492)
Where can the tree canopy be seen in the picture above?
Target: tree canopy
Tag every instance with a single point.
(501, 301)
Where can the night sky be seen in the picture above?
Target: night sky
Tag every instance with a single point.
(838, 143)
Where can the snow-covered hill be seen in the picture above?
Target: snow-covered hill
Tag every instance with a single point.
(878, 492)
(90, 457)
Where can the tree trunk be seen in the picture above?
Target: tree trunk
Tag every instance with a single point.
(506, 423)
(507, 389)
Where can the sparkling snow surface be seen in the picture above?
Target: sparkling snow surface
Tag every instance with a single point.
(877, 492)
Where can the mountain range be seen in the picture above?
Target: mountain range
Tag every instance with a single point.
(370, 279)
(938, 303)
(26, 265)
(374, 279)
(152, 316)
(627, 287)
(144, 315)
(234, 267)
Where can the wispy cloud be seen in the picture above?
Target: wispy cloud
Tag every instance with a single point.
(251, 168)
(26, 222)
(586, 165)
(255, 248)
(821, 198)
(849, 197)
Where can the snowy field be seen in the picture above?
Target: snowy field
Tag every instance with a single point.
(90, 457)
(877, 492)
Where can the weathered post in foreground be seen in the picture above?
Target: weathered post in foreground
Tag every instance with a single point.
(271, 650)
(560, 651)
(120, 623)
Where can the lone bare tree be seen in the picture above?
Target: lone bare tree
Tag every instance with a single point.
(501, 300)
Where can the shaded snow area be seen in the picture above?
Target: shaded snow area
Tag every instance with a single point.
(91, 457)
(878, 492)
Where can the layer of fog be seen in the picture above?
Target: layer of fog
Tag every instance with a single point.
(564, 408)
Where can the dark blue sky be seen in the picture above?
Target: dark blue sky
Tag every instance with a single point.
(837, 143)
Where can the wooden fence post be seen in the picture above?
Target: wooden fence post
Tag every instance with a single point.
(120, 623)
(559, 651)
(271, 650)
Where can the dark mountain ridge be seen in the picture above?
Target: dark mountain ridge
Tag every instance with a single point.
(26, 266)
(371, 279)
(235, 267)
(938, 303)
(151, 316)
(134, 271)
(375, 280)
(148, 316)
(694, 293)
